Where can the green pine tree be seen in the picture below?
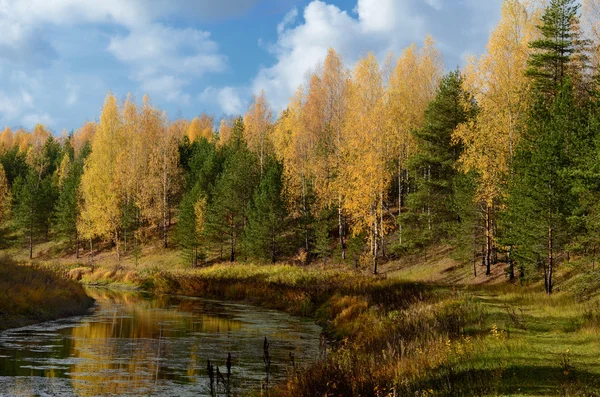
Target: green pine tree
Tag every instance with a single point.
(433, 209)
(266, 231)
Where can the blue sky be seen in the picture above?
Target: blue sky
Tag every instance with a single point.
(59, 58)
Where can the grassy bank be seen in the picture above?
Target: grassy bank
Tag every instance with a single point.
(388, 335)
(32, 294)
(424, 328)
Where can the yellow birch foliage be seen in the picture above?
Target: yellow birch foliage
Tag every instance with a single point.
(364, 175)
(497, 81)
(201, 127)
(83, 135)
(225, 131)
(257, 127)
(63, 170)
(294, 146)
(200, 212)
(161, 175)
(6, 139)
(412, 85)
(22, 139)
(101, 193)
(326, 109)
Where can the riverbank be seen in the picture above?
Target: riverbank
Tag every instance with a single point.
(388, 335)
(415, 330)
(34, 294)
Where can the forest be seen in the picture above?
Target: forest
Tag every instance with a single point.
(440, 225)
(498, 159)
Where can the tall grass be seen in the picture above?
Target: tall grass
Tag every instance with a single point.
(30, 294)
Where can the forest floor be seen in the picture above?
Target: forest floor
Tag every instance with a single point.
(425, 325)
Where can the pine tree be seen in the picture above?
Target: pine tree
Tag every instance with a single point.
(558, 47)
(540, 196)
(228, 211)
(5, 198)
(189, 234)
(67, 214)
(433, 206)
(265, 235)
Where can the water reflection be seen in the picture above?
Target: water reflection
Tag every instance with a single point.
(134, 344)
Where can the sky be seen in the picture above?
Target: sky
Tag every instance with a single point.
(59, 58)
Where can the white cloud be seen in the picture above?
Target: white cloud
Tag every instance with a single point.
(378, 26)
(229, 99)
(72, 94)
(288, 19)
(153, 50)
(157, 52)
(170, 87)
(437, 4)
(31, 119)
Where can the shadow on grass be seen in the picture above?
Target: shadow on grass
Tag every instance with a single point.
(548, 380)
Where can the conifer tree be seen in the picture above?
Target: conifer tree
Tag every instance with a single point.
(228, 211)
(264, 237)
(433, 206)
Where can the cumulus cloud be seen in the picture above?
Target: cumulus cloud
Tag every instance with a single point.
(160, 57)
(379, 26)
(153, 50)
(228, 98)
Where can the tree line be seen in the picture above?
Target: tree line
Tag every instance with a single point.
(499, 159)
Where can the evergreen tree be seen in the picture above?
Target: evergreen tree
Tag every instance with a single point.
(541, 198)
(28, 206)
(228, 210)
(265, 235)
(433, 207)
(188, 233)
(558, 47)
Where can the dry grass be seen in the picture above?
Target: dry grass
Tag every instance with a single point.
(30, 294)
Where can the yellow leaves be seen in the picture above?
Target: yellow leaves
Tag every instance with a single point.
(101, 212)
(201, 127)
(63, 170)
(498, 83)
(364, 172)
(413, 84)
(6, 139)
(225, 131)
(258, 127)
(200, 212)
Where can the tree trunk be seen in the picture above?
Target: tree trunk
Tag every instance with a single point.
(474, 252)
(92, 254)
(31, 236)
(549, 285)
(117, 246)
(511, 265)
(341, 228)
(382, 235)
(488, 240)
(76, 245)
(375, 243)
(232, 256)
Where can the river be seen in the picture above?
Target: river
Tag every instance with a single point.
(134, 344)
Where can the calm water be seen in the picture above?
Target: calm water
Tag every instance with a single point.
(140, 345)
